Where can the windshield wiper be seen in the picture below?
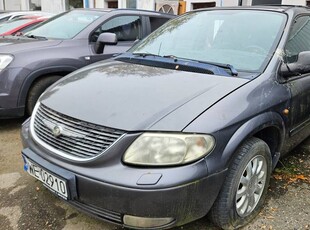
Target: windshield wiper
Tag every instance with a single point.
(193, 65)
(36, 37)
(146, 54)
(233, 71)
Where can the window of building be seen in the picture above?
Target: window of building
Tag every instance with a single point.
(199, 5)
(113, 5)
(131, 4)
(266, 2)
(35, 4)
(71, 4)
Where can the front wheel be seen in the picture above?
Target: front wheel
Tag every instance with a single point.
(244, 190)
(37, 88)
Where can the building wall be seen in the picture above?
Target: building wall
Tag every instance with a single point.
(189, 3)
(53, 6)
(101, 4)
(12, 4)
(146, 4)
(295, 2)
(57, 6)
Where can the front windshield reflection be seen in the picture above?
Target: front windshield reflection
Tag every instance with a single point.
(243, 39)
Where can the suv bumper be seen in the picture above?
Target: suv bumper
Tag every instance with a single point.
(11, 82)
(12, 112)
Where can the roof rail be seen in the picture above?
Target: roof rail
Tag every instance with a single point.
(285, 5)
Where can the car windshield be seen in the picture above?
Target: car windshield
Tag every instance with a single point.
(65, 26)
(10, 25)
(245, 39)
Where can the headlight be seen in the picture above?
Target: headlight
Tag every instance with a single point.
(159, 149)
(5, 60)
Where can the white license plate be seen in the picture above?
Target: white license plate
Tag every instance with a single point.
(49, 180)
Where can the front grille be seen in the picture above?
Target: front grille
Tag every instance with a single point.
(74, 139)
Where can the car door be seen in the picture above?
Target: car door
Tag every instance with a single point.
(128, 29)
(299, 40)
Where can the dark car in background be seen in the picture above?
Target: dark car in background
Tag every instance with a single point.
(191, 120)
(62, 44)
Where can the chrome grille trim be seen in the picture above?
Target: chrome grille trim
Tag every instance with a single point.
(79, 140)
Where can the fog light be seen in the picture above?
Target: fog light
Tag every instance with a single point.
(144, 222)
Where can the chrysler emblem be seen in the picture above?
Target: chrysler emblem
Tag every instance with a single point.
(62, 130)
(57, 131)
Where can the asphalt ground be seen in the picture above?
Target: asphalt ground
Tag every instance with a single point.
(26, 204)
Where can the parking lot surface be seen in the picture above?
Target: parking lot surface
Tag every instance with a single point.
(26, 204)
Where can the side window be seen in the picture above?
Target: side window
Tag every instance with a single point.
(299, 39)
(126, 28)
(157, 22)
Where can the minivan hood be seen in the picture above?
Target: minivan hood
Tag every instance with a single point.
(15, 44)
(135, 97)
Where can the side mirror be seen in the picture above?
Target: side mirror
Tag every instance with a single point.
(105, 39)
(301, 66)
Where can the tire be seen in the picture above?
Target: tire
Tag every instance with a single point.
(37, 88)
(243, 193)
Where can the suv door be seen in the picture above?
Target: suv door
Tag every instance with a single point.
(299, 40)
(128, 28)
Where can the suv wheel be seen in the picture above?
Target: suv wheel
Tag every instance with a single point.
(244, 190)
(37, 88)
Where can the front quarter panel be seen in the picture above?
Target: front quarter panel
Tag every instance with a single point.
(251, 108)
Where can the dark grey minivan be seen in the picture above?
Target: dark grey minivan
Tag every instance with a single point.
(191, 120)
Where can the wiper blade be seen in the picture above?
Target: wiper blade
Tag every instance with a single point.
(172, 57)
(36, 37)
(146, 54)
(233, 71)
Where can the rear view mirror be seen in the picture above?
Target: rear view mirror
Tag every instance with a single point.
(105, 39)
(301, 66)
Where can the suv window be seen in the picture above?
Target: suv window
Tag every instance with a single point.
(299, 39)
(126, 28)
(157, 22)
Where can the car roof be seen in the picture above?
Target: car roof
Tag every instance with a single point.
(107, 10)
(21, 13)
(267, 7)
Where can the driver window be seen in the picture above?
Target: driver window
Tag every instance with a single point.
(299, 39)
(126, 28)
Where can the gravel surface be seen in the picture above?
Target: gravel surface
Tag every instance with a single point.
(26, 204)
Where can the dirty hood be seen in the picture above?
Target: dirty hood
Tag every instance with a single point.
(135, 97)
(15, 44)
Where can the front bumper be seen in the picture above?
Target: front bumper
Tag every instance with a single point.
(174, 197)
(11, 83)
(12, 112)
